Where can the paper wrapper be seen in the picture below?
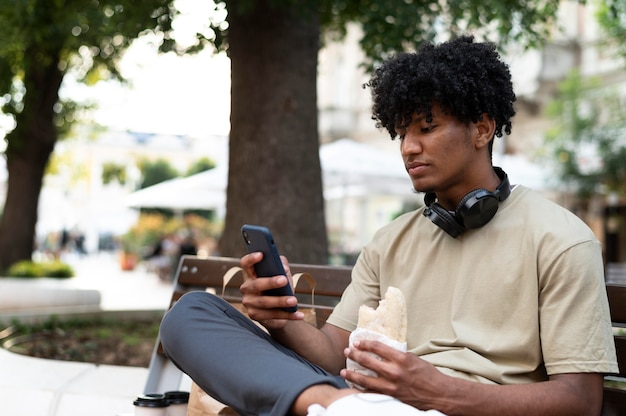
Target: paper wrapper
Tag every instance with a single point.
(362, 334)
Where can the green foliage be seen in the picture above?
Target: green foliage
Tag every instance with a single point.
(113, 172)
(156, 171)
(29, 269)
(587, 139)
(104, 333)
(85, 37)
(391, 25)
(612, 17)
(24, 269)
(200, 165)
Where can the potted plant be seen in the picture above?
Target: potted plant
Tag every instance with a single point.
(130, 251)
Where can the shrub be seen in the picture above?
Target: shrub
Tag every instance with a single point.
(57, 269)
(24, 269)
(29, 269)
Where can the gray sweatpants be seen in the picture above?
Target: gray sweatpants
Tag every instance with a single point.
(233, 360)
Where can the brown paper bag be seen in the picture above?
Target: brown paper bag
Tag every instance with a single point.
(201, 404)
(309, 313)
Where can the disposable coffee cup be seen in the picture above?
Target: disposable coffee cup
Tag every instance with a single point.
(152, 404)
(177, 401)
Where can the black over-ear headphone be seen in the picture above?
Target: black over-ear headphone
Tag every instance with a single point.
(476, 208)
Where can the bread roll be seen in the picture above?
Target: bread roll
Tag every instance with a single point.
(389, 318)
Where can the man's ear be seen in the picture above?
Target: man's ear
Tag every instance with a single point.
(485, 130)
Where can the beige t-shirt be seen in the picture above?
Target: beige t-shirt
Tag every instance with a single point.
(511, 302)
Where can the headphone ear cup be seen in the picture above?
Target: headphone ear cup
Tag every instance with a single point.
(477, 208)
(444, 219)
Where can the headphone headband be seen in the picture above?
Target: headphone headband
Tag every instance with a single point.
(504, 189)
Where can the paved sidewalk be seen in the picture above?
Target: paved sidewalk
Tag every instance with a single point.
(38, 387)
(120, 290)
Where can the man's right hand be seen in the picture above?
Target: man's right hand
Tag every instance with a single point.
(267, 309)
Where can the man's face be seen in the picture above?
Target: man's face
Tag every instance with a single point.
(438, 153)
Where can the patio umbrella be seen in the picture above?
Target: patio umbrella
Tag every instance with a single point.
(204, 190)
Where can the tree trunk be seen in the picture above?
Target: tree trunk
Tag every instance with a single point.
(275, 174)
(29, 148)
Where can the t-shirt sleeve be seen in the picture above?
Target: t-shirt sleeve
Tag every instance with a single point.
(364, 289)
(575, 326)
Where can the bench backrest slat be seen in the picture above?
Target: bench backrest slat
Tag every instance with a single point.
(615, 273)
(616, 293)
(194, 272)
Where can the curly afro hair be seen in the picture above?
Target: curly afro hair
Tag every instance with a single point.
(465, 78)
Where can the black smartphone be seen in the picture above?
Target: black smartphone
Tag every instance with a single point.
(259, 238)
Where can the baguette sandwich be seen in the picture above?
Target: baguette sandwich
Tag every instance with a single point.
(389, 319)
(387, 324)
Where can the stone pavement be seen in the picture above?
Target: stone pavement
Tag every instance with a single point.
(39, 387)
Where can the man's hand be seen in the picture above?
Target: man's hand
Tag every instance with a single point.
(267, 309)
(400, 374)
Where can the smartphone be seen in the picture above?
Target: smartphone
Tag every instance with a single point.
(259, 238)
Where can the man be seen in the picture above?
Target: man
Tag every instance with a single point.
(507, 312)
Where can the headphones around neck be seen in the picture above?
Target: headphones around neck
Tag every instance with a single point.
(476, 208)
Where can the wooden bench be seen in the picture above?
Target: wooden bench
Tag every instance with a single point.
(196, 273)
(615, 386)
(615, 273)
(201, 273)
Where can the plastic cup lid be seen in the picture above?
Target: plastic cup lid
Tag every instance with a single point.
(177, 397)
(151, 400)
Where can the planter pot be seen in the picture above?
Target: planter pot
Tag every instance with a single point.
(45, 294)
(128, 261)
